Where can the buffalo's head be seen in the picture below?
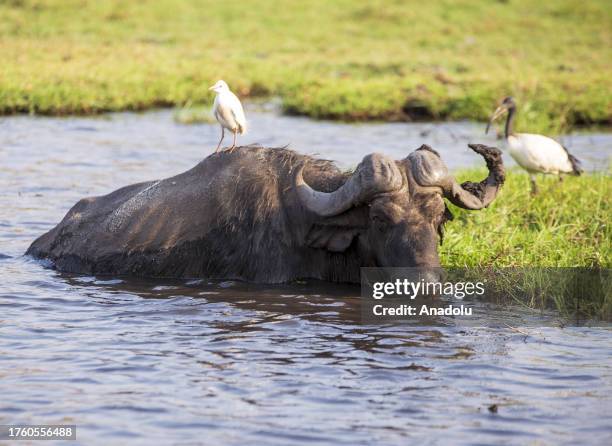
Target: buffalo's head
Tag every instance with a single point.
(395, 209)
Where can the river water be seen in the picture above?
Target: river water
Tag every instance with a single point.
(193, 362)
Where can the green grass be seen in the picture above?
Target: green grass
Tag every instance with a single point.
(566, 225)
(338, 59)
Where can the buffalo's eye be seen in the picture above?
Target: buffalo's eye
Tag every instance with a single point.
(380, 222)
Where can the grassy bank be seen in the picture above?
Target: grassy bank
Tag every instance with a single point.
(340, 59)
(567, 224)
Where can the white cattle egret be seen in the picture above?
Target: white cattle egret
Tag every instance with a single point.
(228, 111)
(534, 153)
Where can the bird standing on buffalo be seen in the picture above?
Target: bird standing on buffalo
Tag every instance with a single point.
(534, 153)
(228, 111)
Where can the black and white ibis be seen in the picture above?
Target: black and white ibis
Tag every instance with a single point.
(534, 153)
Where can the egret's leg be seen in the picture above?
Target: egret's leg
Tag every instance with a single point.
(534, 186)
(221, 140)
(560, 178)
(231, 149)
(234, 143)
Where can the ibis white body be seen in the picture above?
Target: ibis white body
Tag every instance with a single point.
(534, 153)
(539, 154)
(228, 111)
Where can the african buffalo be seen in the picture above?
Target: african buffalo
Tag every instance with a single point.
(270, 215)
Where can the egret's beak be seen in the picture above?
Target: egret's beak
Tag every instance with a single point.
(211, 88)
(496, 114)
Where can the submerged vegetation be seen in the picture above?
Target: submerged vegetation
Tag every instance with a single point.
(578, 294)
(566, 225)
(390, 60)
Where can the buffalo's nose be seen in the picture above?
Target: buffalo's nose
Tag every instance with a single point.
(424, 277)
(431, 275)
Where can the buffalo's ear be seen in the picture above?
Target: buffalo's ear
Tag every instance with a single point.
(332, 238)
(337, 233)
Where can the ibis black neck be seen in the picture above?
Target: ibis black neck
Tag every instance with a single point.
(510, 121)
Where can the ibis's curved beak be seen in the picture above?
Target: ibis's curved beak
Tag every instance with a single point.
(496, 114)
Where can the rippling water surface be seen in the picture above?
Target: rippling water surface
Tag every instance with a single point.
(194, 362)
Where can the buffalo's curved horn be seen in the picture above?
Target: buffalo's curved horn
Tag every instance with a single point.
(429, 170)
(375, 174)
(470, 195)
